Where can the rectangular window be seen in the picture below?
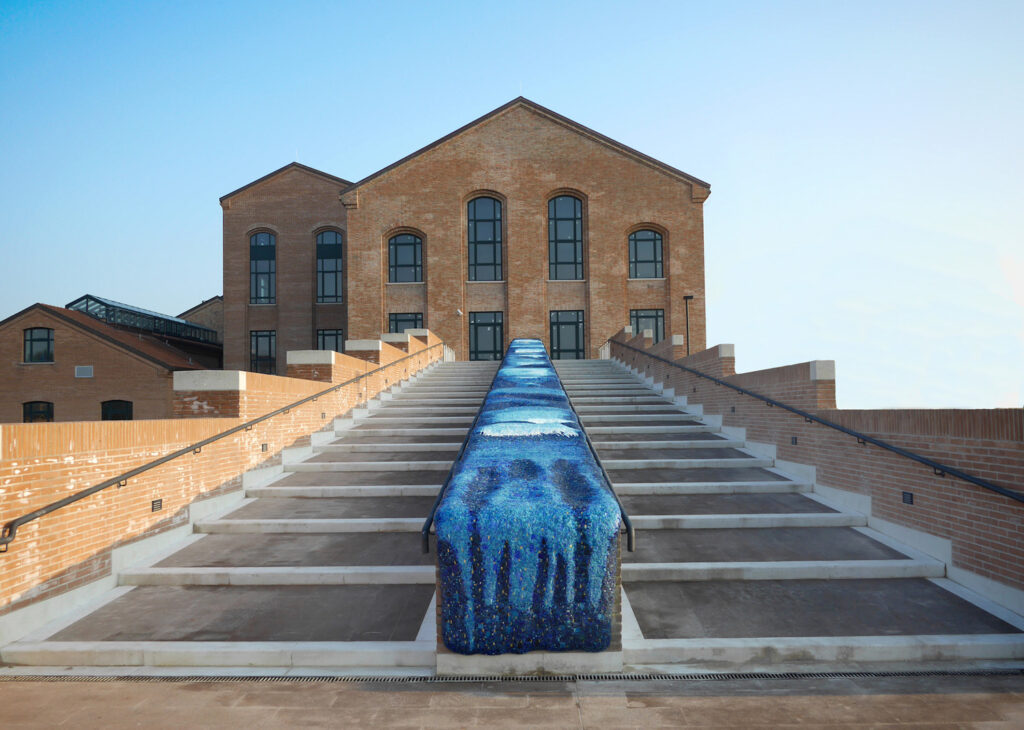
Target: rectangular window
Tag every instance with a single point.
(37, 411)
(565, 238)
(330, 340)
(402, 321)
(263, 351)
(116, 410)
(38, 345)
(486, 335)
(567, 335)
(648, 319)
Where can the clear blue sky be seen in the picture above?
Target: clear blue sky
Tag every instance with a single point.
(866, 159)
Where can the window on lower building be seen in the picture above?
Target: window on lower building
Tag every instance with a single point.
(37, 411)
(262, 268)
(645, 255)
(484, 230)
(263, 351)
(565, 238)
(486, 335)
(328, 267)
(116, 410)
(330, 340)
(567, 335)
(402, 321)
(405, 258)
(38, 344)
(648, 319)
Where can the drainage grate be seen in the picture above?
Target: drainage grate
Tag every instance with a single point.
(414, 679)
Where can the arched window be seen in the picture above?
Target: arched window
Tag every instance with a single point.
(405, 258)
(565, 238)
(645, 261)
(37, 411)
(328, 267)
(38, 344)
(262, 268)
(116, 410)
(483, 216)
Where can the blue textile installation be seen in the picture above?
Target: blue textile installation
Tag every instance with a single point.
(527, 531)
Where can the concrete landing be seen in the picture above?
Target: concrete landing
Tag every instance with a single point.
(272, 613)
(237, 551)
(735, 609)
(758, 544)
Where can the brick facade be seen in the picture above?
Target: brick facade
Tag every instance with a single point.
(522, 155)
(125, 366)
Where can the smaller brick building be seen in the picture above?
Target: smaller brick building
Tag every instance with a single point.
(69, 365)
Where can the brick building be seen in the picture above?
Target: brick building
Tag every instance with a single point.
(96, 360)
(523, 223)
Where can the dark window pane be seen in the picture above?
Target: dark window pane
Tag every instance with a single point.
(645, 255)
(37, 411)
(116, 410)
(38, 345)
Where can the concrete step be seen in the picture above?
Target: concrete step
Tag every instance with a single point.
(397, 433)
(621, 464)
(337, 575)
(327, 492)
(628, 408)
(592, 400)
(423, 400)
(748, 521)
(284, 654)
(310, 526)
(667, 428)
(390, 419)
(841, 652)
(784, 570)
(634, 418)
(737, 487)
(356, 447)
(321, 466)
(722, 443)
(392, 408)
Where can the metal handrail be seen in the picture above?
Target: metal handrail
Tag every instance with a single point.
(939, 469)
(630, 530)
(10, 529)
(425, 530)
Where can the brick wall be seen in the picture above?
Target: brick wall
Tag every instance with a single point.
(42, 463)
(986, 529)
(117, 374)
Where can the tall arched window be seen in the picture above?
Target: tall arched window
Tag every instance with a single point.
(484, 231)
(565, 238)
(328, 267)
(405, 258)
(645, 255)
(262, 268)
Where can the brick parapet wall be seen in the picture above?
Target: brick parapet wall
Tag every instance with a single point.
(45, 462)
(983, 527)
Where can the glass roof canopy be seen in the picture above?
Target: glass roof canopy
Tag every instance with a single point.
(126, 315)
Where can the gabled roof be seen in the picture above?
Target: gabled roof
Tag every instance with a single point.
(144, 346)
(558, 119)
(290, 166)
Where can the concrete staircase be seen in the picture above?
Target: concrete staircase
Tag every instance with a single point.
(322, 568)
(739, 565)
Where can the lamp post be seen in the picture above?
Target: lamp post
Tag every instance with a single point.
(686, 302)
